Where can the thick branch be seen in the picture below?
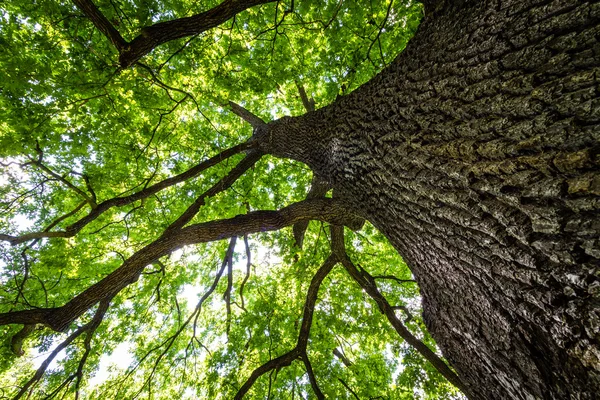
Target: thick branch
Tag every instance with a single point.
(101, 22)
(246, 115)
(162, 32)
(327, 210)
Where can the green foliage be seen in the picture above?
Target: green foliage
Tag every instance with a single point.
(70, 118)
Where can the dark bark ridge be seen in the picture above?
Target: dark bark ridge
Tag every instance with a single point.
(477, 154)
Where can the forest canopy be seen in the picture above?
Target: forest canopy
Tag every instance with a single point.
(138, 258)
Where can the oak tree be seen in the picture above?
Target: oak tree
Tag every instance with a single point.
(150, 149)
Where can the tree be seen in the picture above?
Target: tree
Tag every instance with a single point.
(475, 152)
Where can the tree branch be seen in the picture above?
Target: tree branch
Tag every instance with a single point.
(225, 183)
(246, 115)
(318, 188)
(89, 327)
(409, 315)
(367, 283)
(154, 35)
(279, 362)
(74, 228)
(102, 23)
(227, 294)
(300, 350)
(393, 278)
(168, 343)
(93, 325)
(16, 343)
(349, 389)
(60, 318)
(342, 357)
(309, 104)
(311, 376)
(38, 163)
(247, 276)
(162, 32)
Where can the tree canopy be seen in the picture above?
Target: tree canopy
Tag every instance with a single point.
(138, 218)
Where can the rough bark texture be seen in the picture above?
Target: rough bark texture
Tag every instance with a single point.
(476, 152)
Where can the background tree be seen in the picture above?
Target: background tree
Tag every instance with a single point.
(474, 152)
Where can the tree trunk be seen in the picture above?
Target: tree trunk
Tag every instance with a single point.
(476, 152)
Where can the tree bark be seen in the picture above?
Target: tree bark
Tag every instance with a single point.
(476, 153)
